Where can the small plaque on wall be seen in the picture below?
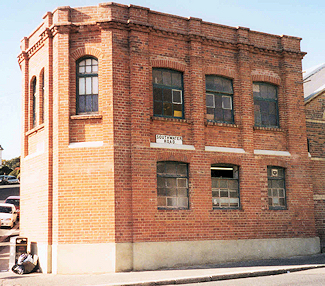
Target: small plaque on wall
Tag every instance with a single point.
(167, 139)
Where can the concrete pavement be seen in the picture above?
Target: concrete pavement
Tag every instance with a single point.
(182, 275)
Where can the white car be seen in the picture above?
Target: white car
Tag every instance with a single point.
(8, 214)
(12, 180)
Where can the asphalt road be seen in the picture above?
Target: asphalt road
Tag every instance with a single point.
(313, 277)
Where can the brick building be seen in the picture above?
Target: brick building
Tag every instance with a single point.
(314, 89)
(152, 140)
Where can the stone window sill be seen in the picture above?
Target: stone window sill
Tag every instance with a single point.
(86, 116)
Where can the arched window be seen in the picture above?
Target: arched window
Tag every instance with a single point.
(167, 93)
(41, 98)
(34, 102)
(266, 104)
(87, 85)
(219, 99)
(172, 185)
(225, 186)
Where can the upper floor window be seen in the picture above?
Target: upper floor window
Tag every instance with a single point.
(225, 186)
(219, 95)
(41, 99)
(87, 86)
(34, 89)
(276, 187)
(172, 185)
(266, 105)
(168, 93)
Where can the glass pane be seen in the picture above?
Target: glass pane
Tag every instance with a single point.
(81, 69)
(178, 110)
(282, 202)
(172, 202)
(171, 182)
(157, 76)
(82, 63)
(233, 184)
(161, 202)
(95, 68)
(275, 201)
(182, 169)
(215, 182)
(161, 192)
(264, 106)
(88, 62)
(218, 114)
(216, 202)
(274, 193)
(273, 120)
(223, 183)
(182, 182)
(210, 111)
(82, 104)
(218, 84)
(88, 69)
(209, 82)
(210, 100)
(95, 85)
(95, 103)
(177, 96)
(223, 194)
(183, 202)
(160, 182)
(271, 92)
(227, 86)
(281, 172)
(157, 93)
(270, 192)
(158, 108)
(81, 86)
(272, 108)
(168, 109)
(182, 192)
(88, 85)
(177, 79)
(233, 194)
(167, 95)
(167, 79)
(270, 202)
(281, 193)
(160, 167)
(171, 192)
(263, 91)
(171, 168)
(215, 193)
(218, 101)
(227, 115)
(277, 184)
(88, 103)
(226, 102)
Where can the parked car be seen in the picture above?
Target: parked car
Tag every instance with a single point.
(8, 214)
(15, 200)
(3, 179)
(12, 180)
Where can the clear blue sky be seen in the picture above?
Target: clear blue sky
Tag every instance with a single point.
(18, 18)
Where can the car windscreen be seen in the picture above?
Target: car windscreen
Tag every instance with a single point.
(13, 201)
(6, 210)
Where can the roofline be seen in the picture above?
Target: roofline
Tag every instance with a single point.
(314, 95)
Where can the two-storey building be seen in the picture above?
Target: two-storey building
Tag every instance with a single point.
(152, 140)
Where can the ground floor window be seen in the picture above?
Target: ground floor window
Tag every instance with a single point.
(172, 185)
(225, 186)
(276, 187)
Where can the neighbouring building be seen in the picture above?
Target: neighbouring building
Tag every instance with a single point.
(152, 140)
(314, 89)
(1, 149)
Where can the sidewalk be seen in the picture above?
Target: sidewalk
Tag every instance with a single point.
(170, 276)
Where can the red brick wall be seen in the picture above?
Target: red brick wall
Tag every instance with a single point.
(109, 193)
(315, 109)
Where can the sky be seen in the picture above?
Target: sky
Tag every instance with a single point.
(18, 18)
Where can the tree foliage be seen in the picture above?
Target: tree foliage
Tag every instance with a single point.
(12, 163)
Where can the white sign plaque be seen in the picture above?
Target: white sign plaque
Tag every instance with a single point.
(166, 139)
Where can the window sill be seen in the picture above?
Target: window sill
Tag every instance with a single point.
(222, 124)
(86, 116)
(170, 119)
(35, 129)
(277, 129)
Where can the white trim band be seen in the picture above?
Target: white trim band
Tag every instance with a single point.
(272, 153)
(86, 144)
(172, 146)
(224, 149)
